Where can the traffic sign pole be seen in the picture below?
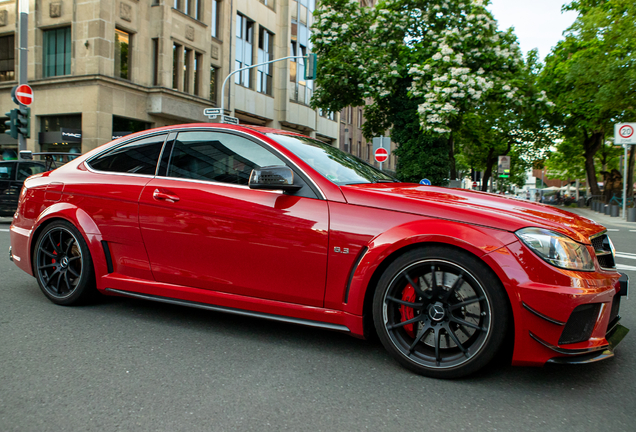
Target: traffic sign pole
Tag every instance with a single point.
(23, 58)
(624, 133)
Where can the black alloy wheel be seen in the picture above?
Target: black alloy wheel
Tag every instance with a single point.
(63, 265)
(440, 312)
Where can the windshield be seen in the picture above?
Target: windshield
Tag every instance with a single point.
(339, 167)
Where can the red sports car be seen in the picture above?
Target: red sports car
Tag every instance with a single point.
(273, 224)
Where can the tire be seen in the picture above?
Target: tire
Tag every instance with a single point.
(63, 266)
(440, 312)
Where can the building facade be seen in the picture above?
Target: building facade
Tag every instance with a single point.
(101, 69)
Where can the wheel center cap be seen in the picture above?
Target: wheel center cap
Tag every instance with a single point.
(64, 262)
(436, 312)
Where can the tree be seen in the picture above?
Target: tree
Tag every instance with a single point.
(591, 76)
(448, 51)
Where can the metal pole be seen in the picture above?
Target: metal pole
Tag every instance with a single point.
(23, 57)
(625, 184)
(246, 68)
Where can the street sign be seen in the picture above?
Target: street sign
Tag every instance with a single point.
(624, 133)
(22, 94)
(381, 155)
(505, 174)
(475, 185)
(504, 164)
(426, 182)
(229, 120)
(382, 142)
(212, 112)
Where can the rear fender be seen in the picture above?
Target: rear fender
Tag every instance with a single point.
(81, 220)
(383, 249)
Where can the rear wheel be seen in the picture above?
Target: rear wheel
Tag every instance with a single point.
(63, 266)
(440, 312)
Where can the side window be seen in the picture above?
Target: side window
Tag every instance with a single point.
(217, 156)
(27, 169)
(139, 157)
(6, 170)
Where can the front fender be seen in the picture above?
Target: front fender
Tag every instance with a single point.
(385, 247)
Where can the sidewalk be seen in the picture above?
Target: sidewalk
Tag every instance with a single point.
(601, 218)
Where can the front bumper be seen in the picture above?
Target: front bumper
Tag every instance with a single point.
(560, 316)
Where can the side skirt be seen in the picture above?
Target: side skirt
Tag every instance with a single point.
(198, 305)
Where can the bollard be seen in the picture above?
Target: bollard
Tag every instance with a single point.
(614, 210)
(631, 214)
(606, 209)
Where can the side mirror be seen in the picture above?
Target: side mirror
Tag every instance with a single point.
(273, 178)
(26, 154)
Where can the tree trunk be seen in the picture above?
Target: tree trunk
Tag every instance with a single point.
(592, 143)
(630, 172)
(451, 156)
(490, 162)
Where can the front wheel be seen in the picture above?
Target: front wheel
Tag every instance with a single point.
(440, 312)
(63, 266)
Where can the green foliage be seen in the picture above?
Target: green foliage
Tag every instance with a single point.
(591, 75)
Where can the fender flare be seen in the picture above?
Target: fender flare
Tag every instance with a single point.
(80, 220)
(381, 251)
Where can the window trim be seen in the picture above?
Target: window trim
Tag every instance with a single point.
(123, 143)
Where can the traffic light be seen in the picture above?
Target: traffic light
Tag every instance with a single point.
(23, 122)
(11, 124)
(311, 65)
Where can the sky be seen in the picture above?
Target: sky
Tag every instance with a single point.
(538, 23)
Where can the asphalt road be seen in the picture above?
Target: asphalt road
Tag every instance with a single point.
(134, 366)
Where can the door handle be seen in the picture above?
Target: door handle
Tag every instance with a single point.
(162, 195)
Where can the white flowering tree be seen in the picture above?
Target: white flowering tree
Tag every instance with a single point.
(447, 55)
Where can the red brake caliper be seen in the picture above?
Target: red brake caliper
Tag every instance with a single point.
(407, 313)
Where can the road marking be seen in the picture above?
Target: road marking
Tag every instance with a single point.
(625, 267)
(621, 255)
(5, 230)
(626, 253)
(613, 229)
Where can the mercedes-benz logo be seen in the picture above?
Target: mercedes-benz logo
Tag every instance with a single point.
(64, 262)
(436, 312)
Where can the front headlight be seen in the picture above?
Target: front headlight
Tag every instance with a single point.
(557, 249)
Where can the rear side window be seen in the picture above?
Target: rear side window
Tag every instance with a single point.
(138, 157)
(6, 170)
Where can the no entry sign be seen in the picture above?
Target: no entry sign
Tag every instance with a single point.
(22, 94)
(381, 155)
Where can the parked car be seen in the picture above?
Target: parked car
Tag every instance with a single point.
(272, 224)
(12, 176)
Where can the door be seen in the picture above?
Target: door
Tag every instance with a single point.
(203, 227)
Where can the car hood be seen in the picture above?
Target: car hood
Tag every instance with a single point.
(471, 207)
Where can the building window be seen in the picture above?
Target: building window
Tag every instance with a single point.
(57, 52)
(215, 23)
(348, 146)
(189, 7)
(244, 49)
(326, 114)
(197, 73)
(176, 52)
(359, 149)
(187, 67)
(122, 54)
(368, 155)
(302, 19)
(349, 115)
(269, 3)
(213, 82)
(155, 61)
(7, 58)
(359, 118)
(265, 53)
